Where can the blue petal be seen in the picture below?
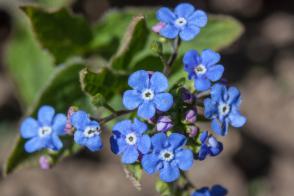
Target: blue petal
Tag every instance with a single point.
(169, 173)
(217, 92)
(191, 58)
(132, 99)
(34, 145)
(218, 190)
(189, 32)
(45, 115)
(210, 108)
(150, 162)
(165, 15)
(158, 141)
(185, 159)
(202, 192)
(80, 138)
(203, 152)
(158, 82)
(80, 120)
(139, 126)
(177, 140)
(219, 128)
(214, 151)
(94, 143)
(169, 31)
(163, 101)
(59, 124)
(29, 128)
(139, 80)
(93, 123)
(118, 145)
(130, 155)
(144, 144)
(209, 57)
(215, 73)
(56, 143)
(198, 18)
(237, 120)
(234, 96)
(202, 84)
(203, 136)
(184, 10)
(146, 110)
(123, 127)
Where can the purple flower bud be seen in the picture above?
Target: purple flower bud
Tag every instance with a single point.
(44, 162)
(191, 116)
(193, 131)
(164, 123)
(68, 126)
(156, 28)
(187, 96)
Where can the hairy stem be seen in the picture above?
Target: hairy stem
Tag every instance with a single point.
(175, 46)
(203, 94)
(112, 116)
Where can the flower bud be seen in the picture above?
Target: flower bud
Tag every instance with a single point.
(156, 28)
(164, 123)
(191, 116)
(68, 126)
(187, 96)
(192, 130)
(44, 162)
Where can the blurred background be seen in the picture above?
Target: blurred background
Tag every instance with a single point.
(258, 160)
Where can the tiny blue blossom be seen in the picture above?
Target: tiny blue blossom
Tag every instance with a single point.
(209, 146)
(129, 140)
(87, 131)
(224, 108)
(216, 190)
(44, 132)
(185, 21)
(168, 156)
(203, 69)
(147, 94)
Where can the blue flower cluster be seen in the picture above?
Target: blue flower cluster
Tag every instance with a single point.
(216, 190)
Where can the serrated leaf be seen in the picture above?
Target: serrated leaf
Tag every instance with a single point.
(63, 34)
(61, 91)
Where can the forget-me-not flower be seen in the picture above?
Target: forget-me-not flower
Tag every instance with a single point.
(185, 21)
(216, 190)
(87, 131)
(203, 69)
(147, 94)
(209, 146)
(44, 132)
(168, 156)
(129, 140)
(224, 108)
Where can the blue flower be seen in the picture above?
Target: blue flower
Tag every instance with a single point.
(185, 21)
(209, 146)
(168, 156)
(44, 132)
(203, 69)
(216, 190)
(129, 140)
(148, 94)
(87, 131)
(224, 108)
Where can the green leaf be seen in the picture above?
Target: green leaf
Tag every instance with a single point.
(133, 42)
(61, 91)
(163, 188)
(63, 34)
(28, 64)
(134, 174)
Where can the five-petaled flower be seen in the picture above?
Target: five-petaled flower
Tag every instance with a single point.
(224, 108)
(216, 190)
(209, 146)
(129, 140)
(147, 94)
(87, 131)
(185, 21)
(168, 156)
(203, 69)
(44, 132)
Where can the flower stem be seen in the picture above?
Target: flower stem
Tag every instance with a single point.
(203, 94)
(113, 116)
(175, 46)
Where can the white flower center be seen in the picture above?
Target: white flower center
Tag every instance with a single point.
(224, 109)
(45, 131)
(166, 155)
(91, 131)
(180, 22)
(148, 94)
(131, 139)
(200, 69)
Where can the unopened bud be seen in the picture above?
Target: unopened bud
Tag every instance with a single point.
(164, 123)
(191, 116)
